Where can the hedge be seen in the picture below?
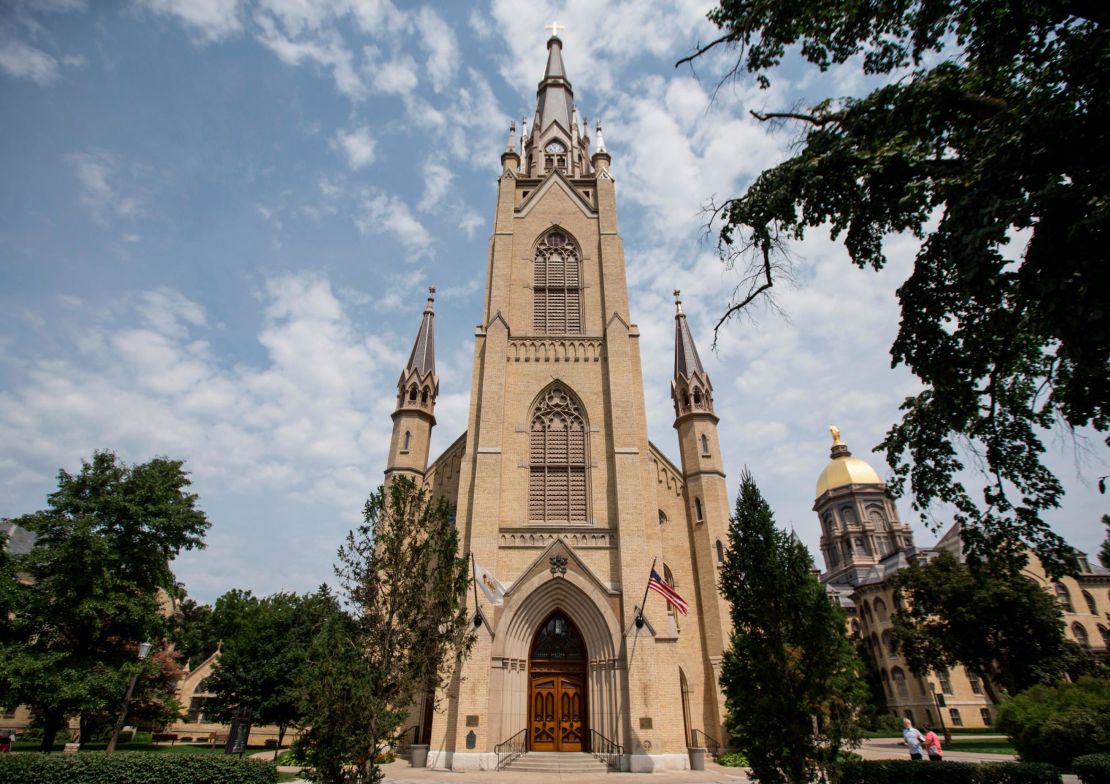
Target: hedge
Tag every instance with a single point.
(925, 772)
(1092, 768)
(132, 768)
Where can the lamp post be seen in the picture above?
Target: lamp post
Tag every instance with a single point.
(144, 649)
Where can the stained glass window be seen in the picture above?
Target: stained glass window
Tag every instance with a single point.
(558, 640)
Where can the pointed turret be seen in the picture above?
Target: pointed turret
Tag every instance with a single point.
(691, 389)
(417, 389)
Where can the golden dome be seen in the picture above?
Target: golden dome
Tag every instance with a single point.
(844, 470)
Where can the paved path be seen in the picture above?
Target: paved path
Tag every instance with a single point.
(399, 772)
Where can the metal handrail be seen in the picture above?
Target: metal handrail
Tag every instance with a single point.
(608, 750)
(509, 750)
(711, 744)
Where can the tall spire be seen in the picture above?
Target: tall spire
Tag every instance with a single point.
(423, 356)
(686, 359)
(554, 98)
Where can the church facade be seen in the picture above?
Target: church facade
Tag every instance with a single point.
(562, 501)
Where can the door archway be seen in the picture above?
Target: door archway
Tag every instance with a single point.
(557, 676)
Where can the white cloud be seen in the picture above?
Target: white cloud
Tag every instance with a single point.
(98, 174)
(439, 42)
(383, 213)
(212, 20)
(437, 182)
(23, 61)
(358, 145)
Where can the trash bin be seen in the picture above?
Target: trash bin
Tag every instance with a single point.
(419, 755)
(697, 758)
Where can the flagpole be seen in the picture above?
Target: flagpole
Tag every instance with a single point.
(474, 586)
(640, 615)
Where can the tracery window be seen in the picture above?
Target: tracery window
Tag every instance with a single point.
(558, 640)
(557, 459)
(556, 286)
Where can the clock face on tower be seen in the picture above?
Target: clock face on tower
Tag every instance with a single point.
(555, 148)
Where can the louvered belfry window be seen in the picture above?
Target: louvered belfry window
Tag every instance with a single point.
(557, 460)
(556, 286)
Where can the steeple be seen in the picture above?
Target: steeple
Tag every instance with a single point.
(555, 142)
(418, 385)
(691, 389)
(554, 98)
(414, 416)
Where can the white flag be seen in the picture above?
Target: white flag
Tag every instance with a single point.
(494, 591)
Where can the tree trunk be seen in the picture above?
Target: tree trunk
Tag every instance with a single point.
(281, 737)
(52, 722)
(88, 724)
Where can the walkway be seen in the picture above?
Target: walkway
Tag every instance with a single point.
(399, 772)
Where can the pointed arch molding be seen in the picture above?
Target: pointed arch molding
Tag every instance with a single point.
(529, 603)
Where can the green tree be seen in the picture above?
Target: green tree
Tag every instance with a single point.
(89, 591)
(792, 681)
(1056, 724)
(405, 583)
(997, 624)
(264, 651)
(194, 635)
(1104, 551)
(993, 121)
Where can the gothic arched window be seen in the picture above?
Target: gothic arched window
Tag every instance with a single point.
(556, 286)
(720, 552)
(557, 458)
(1080, 635)
(408, 440)
(1092, 608)
(704, 444)
(1064, 597)
(699, 515)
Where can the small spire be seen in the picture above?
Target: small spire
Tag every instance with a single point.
(423, 356)
(554, 98)
(686, 359)
(600, 139)
(511, 145)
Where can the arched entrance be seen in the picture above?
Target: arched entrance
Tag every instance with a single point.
(557, 687)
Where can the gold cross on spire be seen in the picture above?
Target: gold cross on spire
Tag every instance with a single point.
(554, 27)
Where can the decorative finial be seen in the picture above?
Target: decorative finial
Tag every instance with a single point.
(678, 302)
(600, 139)
(835, 435)
(511, 145)
(431, 299)
(554, 27)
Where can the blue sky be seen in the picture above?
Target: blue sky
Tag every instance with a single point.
(218, 219)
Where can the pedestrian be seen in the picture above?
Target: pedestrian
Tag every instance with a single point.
(932, 745)
(913, 738)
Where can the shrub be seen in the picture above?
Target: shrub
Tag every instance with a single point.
(734, 759)
(132, 768)
(884, 723)
(1092, 768)
(1056, 724)
(911, 772)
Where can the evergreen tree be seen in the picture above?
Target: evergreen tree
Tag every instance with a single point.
(405, 584)
(792, 681)
(1104, 551)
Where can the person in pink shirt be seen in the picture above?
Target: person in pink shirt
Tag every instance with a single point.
(932, 745)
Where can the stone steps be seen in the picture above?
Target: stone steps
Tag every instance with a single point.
(560, 762)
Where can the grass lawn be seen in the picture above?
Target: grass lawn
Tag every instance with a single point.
(981, 745)
(288, 777)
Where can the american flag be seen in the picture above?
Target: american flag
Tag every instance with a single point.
(656, 584)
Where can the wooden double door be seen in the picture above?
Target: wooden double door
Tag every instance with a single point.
(557, 712)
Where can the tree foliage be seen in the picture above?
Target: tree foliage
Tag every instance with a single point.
(999, 625)
(790, 668)
(407, 625)
(89, 590)
(264, 652)
(1058, 723)
(993, 121)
